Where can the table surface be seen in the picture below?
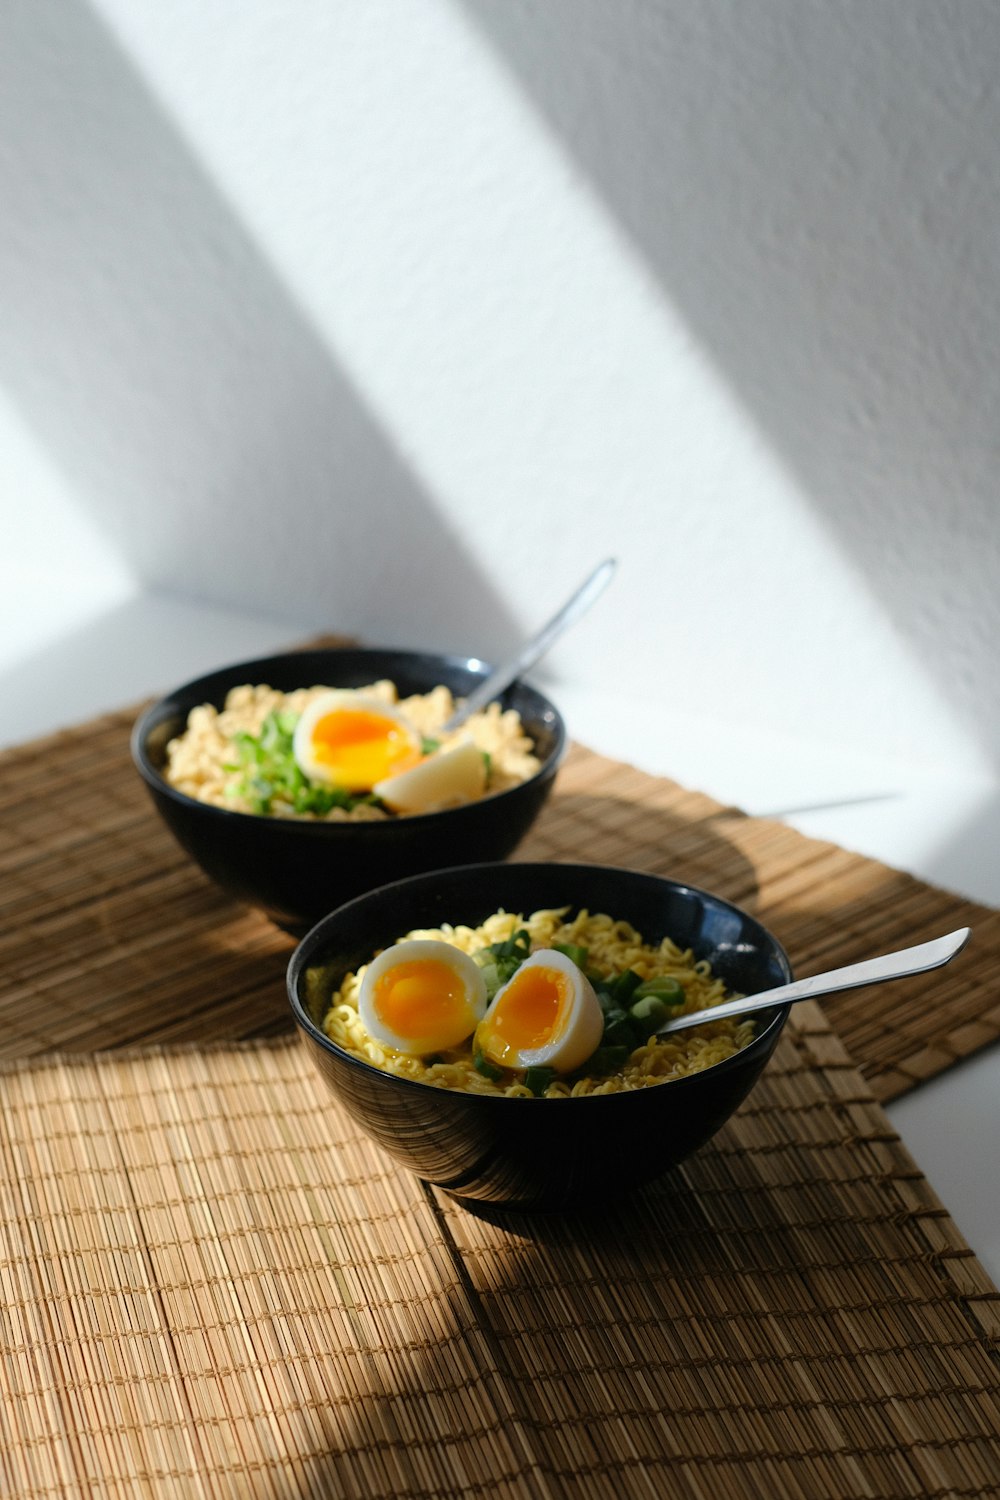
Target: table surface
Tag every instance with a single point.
(940, 828)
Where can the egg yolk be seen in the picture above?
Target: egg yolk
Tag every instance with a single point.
(530, 1014)
(358, 747)
(421, 998)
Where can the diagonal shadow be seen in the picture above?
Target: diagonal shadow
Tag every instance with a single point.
(816, 189)
(135, 305)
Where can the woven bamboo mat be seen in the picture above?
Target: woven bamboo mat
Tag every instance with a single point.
(213, 1286)
(109, 935)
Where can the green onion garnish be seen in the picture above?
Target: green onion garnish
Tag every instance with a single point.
(538, 1080)
(670, 991)
(482, 1065)
(574, 953)
(270, 772)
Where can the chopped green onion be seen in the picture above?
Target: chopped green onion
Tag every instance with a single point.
(625, 986)
(538, 1080)
(649, 1013)
(491, 975)
(618, 1029)
(483, 1065)
(607, 1060)
(574, 953)
(670, 991)
(271, 773)
(508, 956)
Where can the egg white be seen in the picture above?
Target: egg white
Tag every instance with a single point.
(455, 1022)
(578, 1029)
(445, 779)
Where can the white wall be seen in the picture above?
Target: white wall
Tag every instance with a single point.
(394, 316)
(56, 573)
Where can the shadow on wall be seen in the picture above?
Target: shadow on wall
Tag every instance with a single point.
(135, 305)
(817, 189)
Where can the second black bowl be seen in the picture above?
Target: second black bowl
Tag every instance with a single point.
(542, 1153)
(297, 870)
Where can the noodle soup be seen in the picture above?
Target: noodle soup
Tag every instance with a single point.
(368, 753)
(478, 1137)
(604, 962)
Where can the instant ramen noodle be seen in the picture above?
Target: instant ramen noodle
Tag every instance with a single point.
(335, 754)
(541, 1006)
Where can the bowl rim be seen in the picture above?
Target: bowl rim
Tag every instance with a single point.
(318, 827)
(763, 1040)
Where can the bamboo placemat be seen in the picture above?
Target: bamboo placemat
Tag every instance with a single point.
(213, 1286)
(109, 935)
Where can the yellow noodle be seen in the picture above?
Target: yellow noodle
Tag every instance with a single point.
(612, 946)
(200, 760)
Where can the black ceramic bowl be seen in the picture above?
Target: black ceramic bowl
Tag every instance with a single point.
(297, 870)
(542, 1153)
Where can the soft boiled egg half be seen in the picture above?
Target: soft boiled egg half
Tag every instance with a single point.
(546, 1015)
(421, 996)
(347, 740)
(445, 779)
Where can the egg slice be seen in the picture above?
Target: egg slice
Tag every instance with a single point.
(445, 779)
(347, 740)
(421, 996)
(547, 1015)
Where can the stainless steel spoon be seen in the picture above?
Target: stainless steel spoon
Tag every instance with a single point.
(492, 686)
(873, 971)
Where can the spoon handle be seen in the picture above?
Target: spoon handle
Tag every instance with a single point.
(539, 643)
(873, 971)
